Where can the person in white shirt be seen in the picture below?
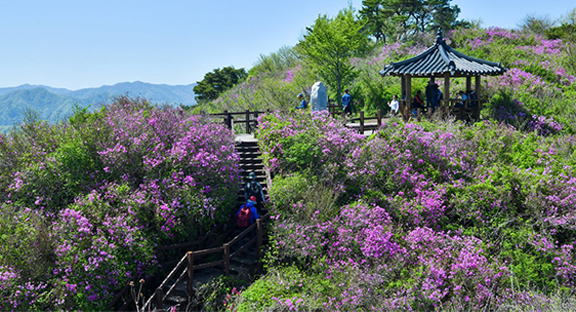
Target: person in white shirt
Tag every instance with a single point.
(394, 105)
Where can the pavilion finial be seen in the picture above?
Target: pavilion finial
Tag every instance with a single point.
(439, 38)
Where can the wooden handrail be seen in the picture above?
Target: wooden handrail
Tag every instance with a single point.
(404, 109)
(199, 241)
(175, 284)
(159, 296)
(208, 251)
(362, 121)
(190, 272)
(245, 246)
(235, 113)
(244, 233)
(159, 288)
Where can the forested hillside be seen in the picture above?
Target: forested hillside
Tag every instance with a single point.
(57, 104)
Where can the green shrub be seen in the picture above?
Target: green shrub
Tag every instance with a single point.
(300, 196)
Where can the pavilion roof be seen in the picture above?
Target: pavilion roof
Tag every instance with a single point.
(440, 59)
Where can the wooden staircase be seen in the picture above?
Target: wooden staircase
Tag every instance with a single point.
(250, 161)
(243, 267)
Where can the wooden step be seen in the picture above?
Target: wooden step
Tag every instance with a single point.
(247, 149)
(247, 143)
(251, 161)
(249, 156)
(260, 174)
(245, 169)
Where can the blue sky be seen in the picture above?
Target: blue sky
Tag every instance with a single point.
(77, 44)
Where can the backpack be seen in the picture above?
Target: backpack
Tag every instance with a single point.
(244, 216)
(254, 189)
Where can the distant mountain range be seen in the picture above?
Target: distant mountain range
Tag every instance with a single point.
(55, 104)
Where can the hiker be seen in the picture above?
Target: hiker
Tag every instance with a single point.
(394, 104)
(253, 188)
(347, 102)
(471, 96)
(417, 103)
(439, 96)
(430, 92)
(247, 214)
(432, 100)
(464, 98)
(303, 103)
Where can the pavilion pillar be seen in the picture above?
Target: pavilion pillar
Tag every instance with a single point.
(468, 83)
(477, 90)
(402, 87)
(402, 105)
(447, 103)
(408, 107)
(477, 86)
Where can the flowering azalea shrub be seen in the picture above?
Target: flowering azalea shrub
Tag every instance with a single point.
(537, 76)
(300, 141)
(426, 217)
(86, 203)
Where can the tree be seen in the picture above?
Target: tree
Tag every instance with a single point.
(374, 15)
(329, 44)
(404, 19)
(566, 31)
(218, 81)
(536, 24)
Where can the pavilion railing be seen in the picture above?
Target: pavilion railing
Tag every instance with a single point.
(457, 108)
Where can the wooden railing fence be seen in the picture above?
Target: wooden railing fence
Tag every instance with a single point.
(198, 242)
(361, 119)
(460, 109)
(185, 267)
(249, 121)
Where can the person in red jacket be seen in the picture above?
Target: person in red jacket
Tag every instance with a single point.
(247, 214)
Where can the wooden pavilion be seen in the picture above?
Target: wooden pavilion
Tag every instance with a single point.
(442, 61)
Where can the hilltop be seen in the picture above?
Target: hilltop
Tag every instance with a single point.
(430, 215)
(426, 216)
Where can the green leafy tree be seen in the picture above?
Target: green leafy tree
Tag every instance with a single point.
(403, 19)
(218, 81)
(329, 44)
(567, 29)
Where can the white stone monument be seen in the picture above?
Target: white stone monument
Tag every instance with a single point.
(318, 97)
